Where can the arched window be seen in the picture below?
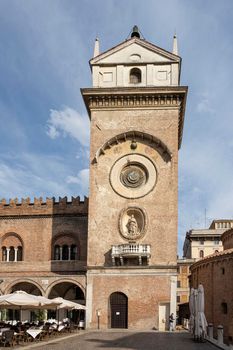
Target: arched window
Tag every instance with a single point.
(135, 76)
(224, 308)
(201, 254)
(20, 254)
(12, 254)
(4, 254)
(65, 252)
(216, 251)
(65, 248)
(57, 252)
(74, 255)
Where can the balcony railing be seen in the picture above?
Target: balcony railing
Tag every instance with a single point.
(130, 250)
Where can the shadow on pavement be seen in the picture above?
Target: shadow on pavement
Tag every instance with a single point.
(148, 341)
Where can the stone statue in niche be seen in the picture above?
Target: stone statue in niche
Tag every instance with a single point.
(132, 226)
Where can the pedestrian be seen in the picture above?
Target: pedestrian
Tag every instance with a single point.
(171, 322)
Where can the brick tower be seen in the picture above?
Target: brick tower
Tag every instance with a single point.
(136, 108)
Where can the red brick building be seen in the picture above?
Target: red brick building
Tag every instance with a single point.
(125, 263)
(44, 247)
(215, 273)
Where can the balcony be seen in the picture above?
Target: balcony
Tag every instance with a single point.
(127, 252)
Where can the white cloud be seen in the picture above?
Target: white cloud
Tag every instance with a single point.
(52, 132)
(82, 179)
(68, 122)
(83, 153)
(24, 176)
(204, 106)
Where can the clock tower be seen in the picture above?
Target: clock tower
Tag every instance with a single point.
(136, 107)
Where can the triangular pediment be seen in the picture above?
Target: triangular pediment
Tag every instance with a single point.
(135, 50)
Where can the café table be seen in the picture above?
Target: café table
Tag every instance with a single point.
(34, 332)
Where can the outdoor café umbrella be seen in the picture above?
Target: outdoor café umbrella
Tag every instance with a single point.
(67, 304)
(191, 309)
(202, 323)
(196, 319)
(22, 300)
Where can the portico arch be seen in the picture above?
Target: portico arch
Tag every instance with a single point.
(66, 281)
(27, 285)
(69, 290)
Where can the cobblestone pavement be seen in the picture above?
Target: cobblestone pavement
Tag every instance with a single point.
(124, 340)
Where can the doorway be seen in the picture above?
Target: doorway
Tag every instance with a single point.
(119, 310)
(164, 310)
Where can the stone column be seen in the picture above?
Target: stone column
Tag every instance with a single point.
(16, 254)
(60, 253)
(210, 331)
(220, 334)
(7, 254)
(89, 298)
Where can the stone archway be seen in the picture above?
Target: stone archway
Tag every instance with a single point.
(70, 291)
(28, 287)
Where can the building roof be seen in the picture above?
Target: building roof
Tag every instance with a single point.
(226, 233)
(220, 221)
(215, 256)
(166, 55)
(205, 233)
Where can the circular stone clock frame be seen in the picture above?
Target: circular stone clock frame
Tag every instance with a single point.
(133, 176)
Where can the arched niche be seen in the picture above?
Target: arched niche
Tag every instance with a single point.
(135, 137)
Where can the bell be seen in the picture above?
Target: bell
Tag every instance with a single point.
(135, 32)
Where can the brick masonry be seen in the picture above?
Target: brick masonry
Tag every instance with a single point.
(215, 272)
(37, 227)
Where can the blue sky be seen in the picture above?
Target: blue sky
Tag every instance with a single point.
(45, 47)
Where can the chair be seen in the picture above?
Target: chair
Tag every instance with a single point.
(8, 338)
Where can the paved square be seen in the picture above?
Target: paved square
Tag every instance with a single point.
(125, 340)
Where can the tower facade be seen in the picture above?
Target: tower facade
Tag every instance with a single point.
(136, 107)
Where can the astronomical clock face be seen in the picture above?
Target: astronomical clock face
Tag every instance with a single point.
(133, 176)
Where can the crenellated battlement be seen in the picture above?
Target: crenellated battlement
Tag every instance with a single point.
(39, 206)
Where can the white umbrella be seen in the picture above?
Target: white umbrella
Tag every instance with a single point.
(196, 320)
(67, 304)
(202, 323)
(191, 309)
(22, 300)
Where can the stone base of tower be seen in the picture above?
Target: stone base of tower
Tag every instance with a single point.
(130, 299)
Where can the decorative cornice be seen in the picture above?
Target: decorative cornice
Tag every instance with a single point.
(173, 97)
